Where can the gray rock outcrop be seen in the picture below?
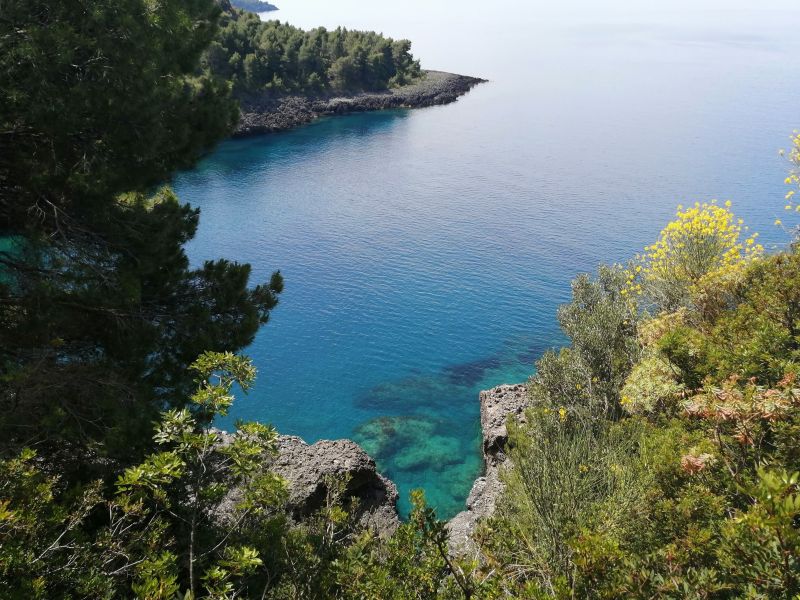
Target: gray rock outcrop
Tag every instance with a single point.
(265, 114)
(497, 405)
(306, 467)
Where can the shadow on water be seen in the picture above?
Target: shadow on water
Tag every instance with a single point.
(306, 142)
(470, 373)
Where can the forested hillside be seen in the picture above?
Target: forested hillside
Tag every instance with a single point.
(276, 58)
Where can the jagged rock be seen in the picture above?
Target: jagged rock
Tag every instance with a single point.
(265, 114)
(305, 468)
(497, 405)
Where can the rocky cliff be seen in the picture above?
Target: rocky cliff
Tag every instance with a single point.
(308, 468)
(497, 405)
(263, 114)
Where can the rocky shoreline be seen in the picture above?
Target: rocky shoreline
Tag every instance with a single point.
(269, 115)
(308, 467)
(308, 470)
(497, 405)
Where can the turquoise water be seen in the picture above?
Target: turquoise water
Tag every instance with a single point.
(425, 252)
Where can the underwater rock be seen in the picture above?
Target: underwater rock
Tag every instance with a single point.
(385, 430)
(435, 452)
(384, 437)
(408, 395)
(409, 443)
(418, 450)
(471, 373)
(456, 478)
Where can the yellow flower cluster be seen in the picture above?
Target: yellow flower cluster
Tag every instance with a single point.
(651, 330)
(703, 238)
(793, 179)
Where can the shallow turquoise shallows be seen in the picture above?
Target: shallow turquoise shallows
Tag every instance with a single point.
(425, 252)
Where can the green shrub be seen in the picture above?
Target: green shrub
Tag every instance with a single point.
(760, 547)
(685, 347)
(703, 241)
(652, 387)
(570, 472)
(601, 326)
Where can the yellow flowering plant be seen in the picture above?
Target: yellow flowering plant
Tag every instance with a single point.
(652, 386)
(792, 179)
(705, 240)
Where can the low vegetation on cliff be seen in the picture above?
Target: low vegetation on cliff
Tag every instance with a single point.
(658, 457)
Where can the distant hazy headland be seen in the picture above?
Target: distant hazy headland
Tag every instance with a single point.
(256, 6)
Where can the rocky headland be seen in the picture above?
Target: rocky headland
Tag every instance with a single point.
(264, 114)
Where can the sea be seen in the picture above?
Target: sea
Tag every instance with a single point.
(425, 252)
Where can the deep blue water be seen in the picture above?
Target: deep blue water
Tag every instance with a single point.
(425, 252)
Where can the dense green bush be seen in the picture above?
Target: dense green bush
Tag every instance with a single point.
(276, 58)
(601, 325)
(160, 528)
(710, 503)
(570, 472)
(652, 387)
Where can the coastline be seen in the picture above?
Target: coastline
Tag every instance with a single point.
(306, 468)
(271, 115)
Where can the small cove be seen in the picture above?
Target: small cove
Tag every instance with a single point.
(425, 252)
